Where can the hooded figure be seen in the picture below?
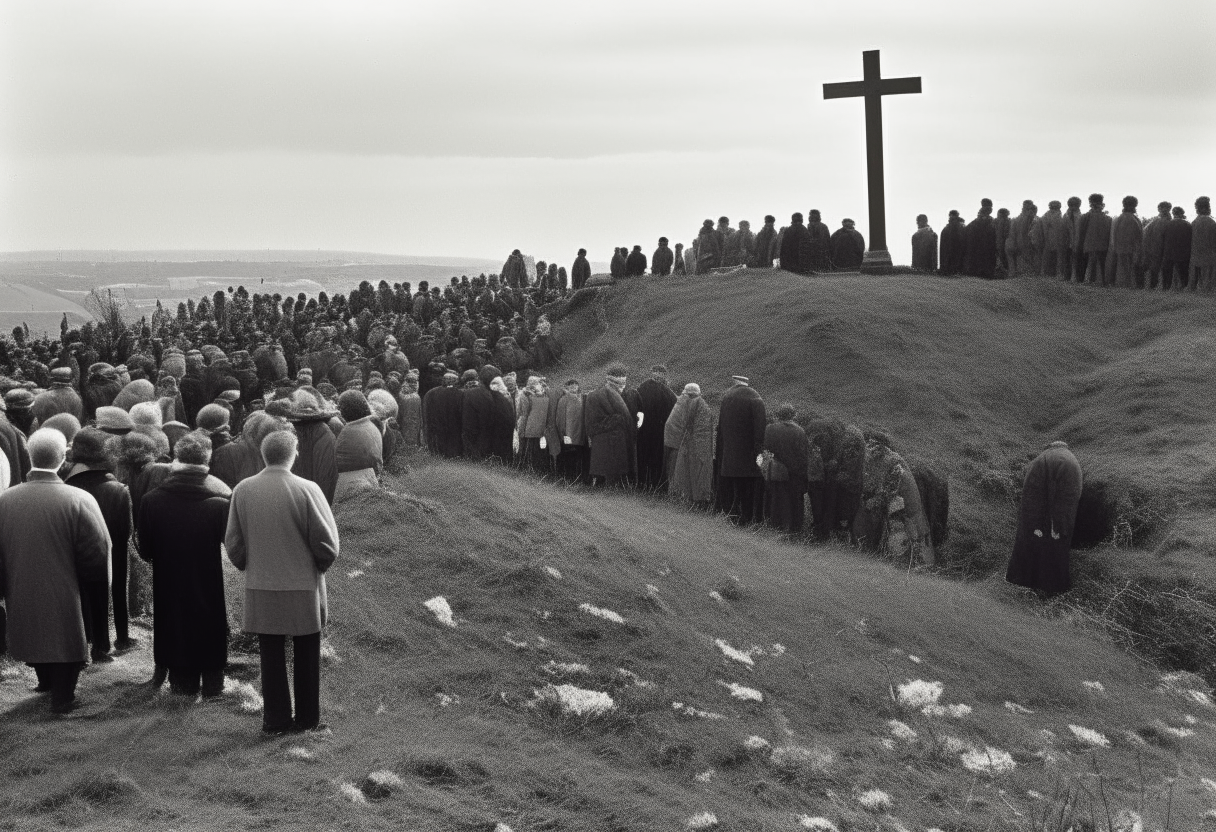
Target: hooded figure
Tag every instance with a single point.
(689, 433)
(1046, 518)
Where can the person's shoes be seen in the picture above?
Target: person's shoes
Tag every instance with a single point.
(158, 677)
(101, 658)
(316, 728)
(270, 732)
(65, 707)
(127, 643)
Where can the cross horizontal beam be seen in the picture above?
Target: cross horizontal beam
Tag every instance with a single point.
(858, 89)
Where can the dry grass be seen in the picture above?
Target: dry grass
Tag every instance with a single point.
(446, 709)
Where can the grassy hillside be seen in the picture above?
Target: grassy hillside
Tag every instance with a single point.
(974, 377)
(816, 641)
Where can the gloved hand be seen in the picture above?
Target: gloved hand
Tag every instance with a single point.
(641, 416)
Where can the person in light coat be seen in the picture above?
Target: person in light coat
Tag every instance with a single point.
(52, 538)
(282, 535)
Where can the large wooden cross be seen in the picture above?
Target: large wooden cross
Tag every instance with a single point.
(873, 87)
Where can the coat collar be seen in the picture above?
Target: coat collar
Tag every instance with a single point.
(37, 475)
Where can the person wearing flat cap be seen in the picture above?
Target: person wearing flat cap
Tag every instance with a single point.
(18, 402)
(741, 423)
(611, 431)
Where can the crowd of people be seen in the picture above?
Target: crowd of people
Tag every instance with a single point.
(1166, 251)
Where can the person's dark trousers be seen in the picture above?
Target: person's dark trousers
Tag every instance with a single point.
(740, 498)
(1080, 264)
(584, 464)
(3, 630)
(95, 604)
(118, 591)
(570, 462)
(823, 508)
(189, 680)
(276, 697)
(847, 504)
(1174, 274)
(60, 679)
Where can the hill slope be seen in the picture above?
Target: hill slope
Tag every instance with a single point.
(815, 641)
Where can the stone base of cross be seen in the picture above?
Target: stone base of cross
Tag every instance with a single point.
(877, 262)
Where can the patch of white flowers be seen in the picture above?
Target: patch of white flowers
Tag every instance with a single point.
(741, 692)
(919, 694)
(958, 711)
(564, 668)
(1089, 736)
(988, 761)
(553, 573)
(702, 820)
(755, 743)
(697, 713)
(1094, 687)
(901, 730)
(573, 700)
(352, 793)
(874, 800)
(818, 824)
(1015, 708)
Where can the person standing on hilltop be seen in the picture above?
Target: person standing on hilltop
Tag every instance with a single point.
(1176, 252)
(1203, 246)
(724, 241)
(635, 263)
(661, 260)
(611, 431)
(1018, 246)
(980, 243)
(1152, 247)
(924, 246)
(741, 425)
(1055, 241)
(954, 244)
(282, 535)
(795, 245)
(1074, 268)
(1096, 241)
(1127, 238)
(763, 245)
(679, 266)
(441, 416)
(657, 400)
(706, 247)
(1002, 226)
(617, 267)
(1048, 513)
(580, 271)
(514, 272)
(848, 247)
(820, 253)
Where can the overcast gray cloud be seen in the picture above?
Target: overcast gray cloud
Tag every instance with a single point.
(470, 128)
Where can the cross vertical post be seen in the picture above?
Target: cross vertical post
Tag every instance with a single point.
(872, 88)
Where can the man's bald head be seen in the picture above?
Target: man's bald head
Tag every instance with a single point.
(47, 448)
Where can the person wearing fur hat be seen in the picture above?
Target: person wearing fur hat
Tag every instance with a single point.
(441, 415)
(91, 469)
(611, 431)
(787, 442)
(316, 459)
(60, 398)
(49, 528)
(213, 420)
(146, 419)
(181, 526)
(741, 424)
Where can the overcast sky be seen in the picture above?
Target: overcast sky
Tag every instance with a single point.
(470, 129)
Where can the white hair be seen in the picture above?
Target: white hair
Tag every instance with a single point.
(47, 448)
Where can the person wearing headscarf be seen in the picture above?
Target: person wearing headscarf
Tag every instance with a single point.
(1046, 518)
(91, 470)
(688, 432)
(785, 497)
(359, 450)
(180, 530)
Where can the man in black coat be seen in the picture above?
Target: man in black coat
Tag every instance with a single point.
(741, 424)
(954, 245)
(980, 238)
(1046, 518)
(1176, 252)
(763, 257)
(635, 263)
(821, 244)
(795, 245)
(848, 247)
(785, 498)
(580, 272)
(617, 267)
(441, 413)
(90, 471)
(661, 260)
(657, 401)
(476, 413)
(181, 526)
(611, 429)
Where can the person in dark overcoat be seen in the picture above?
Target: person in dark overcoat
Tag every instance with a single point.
(788, 443)
(980, 240)
(52, 539)
(476, 410)
(316, 459)
(924, 246)
(91, 470)
(656, 402)
(611, 431)
(818, 256)
(501, 424)
(635, 263)
(1048, 512)
(441, 425)
(242, 458)
(848, 247)
(181, 526)
(580, 271)
(795, 243)
(661, 260)
(741, 425)
(825, 438)
(763, 257)
(954, 245)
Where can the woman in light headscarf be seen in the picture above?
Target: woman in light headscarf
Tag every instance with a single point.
(689, 431)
